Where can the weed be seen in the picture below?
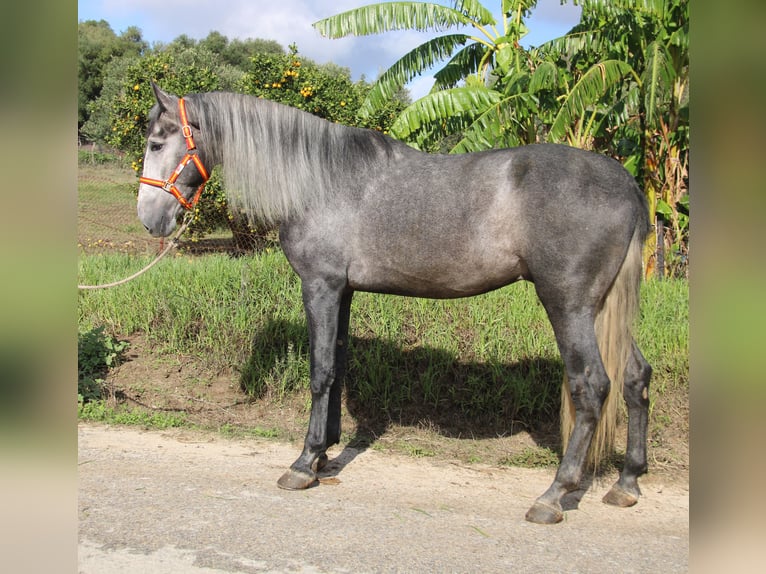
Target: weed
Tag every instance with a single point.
(418, 451)
(100, 411)
(533, 457)
(97, 352)
(231, 431)
(85, 157)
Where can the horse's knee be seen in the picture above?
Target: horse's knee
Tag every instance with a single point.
(322, 379)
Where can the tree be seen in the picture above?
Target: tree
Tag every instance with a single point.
(97, 46)
(184, 66)
(120, 113)
(479, 108)
(325, 90)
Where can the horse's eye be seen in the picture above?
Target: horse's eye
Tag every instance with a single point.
(155, 146)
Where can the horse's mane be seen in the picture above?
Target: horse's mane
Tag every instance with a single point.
(278, 160)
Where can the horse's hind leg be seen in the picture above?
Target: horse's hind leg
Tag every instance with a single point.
(322, 302)
(625, 491)
(589, 386)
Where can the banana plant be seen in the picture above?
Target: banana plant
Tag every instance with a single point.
(583, 110)
(466, 97)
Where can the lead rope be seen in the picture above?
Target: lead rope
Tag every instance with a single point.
(172, 243)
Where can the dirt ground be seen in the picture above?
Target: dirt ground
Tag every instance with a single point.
(193, 502)
(409, 498)
(163, 384)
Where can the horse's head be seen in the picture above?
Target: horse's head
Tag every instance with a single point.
(167, 184)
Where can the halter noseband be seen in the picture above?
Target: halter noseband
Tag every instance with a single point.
(191, 156)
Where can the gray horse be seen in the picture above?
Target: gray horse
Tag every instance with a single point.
(360, 211)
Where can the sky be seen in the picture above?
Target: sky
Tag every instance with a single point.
(290, 21)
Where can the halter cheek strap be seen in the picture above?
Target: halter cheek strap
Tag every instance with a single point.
(191, 156)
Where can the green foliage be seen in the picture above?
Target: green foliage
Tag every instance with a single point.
(97, 45)
(644, 119)
(236, 52)
(454, 108)
(97, 352)
(100, 411)
(420, 16)
(258, 67)
(177, 73)
(495, 107)
(580, 105)
(533, 457)
(97, 158)
(662, 331)
(325, 91)
(231, 431)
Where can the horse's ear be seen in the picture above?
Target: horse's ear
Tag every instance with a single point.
(165, 100)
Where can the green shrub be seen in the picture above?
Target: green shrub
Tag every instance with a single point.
(97, 352)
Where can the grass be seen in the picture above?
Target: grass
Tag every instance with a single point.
(489, 359)
(100, 411)
(662, 331)
(533, 457)
(231, 431)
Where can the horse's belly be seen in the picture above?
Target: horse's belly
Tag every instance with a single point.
(447, 280)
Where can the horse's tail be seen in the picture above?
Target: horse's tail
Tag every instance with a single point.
(613, 326)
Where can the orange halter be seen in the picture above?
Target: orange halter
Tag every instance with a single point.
(191, 156)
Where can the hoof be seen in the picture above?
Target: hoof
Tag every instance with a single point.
(618, 496)
(541, 513)
(297, 480)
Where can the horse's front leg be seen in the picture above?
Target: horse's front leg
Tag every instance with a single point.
(336, 392)
(322, 302)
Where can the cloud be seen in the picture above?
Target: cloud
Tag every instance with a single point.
(550, 19)
(286, 21)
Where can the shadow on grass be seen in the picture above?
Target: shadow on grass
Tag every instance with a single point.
(423, 386)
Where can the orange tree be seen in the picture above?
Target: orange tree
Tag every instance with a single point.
(325, 91)
(129, 107)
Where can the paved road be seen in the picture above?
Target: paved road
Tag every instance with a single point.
(184, 503)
